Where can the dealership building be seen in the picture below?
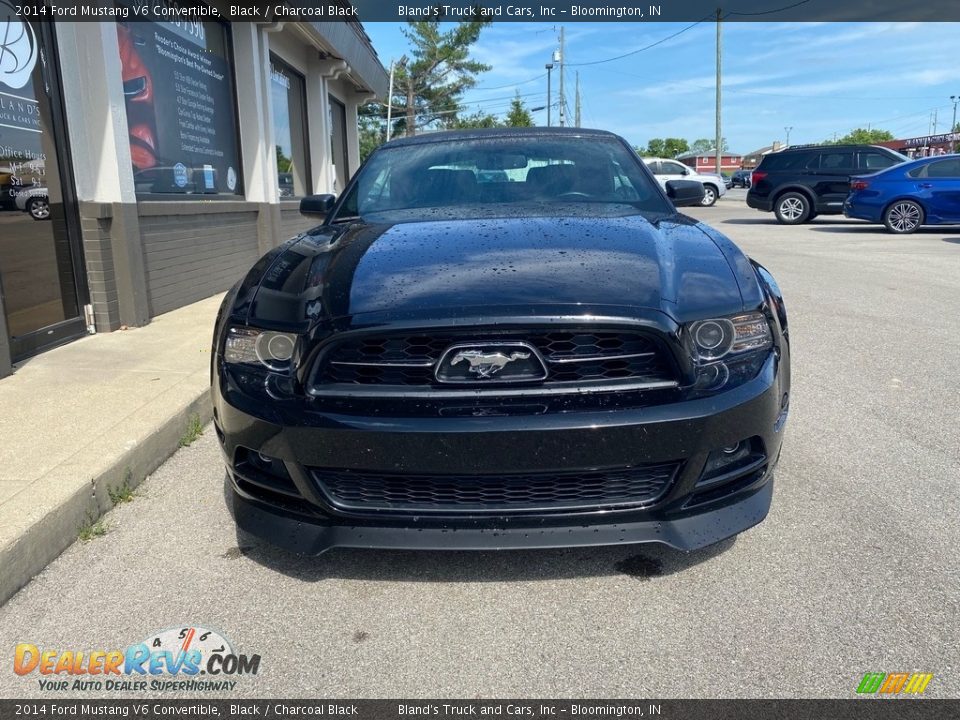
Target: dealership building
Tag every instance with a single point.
(146, 165)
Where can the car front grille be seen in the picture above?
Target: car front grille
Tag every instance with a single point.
(359, 491)
(571, 356)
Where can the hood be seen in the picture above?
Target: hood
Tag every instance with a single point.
(422, 267)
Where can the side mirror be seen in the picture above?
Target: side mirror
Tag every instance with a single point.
(685, 192)
(317, 204)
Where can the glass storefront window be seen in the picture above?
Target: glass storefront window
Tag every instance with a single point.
(38, 238)
(181, 111)
(289, 100)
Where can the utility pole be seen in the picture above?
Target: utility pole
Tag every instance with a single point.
(719, 151)
(953, 128)
(563, 99)
(576, 121)
(390, 101)
(549, 67)
(788, 129)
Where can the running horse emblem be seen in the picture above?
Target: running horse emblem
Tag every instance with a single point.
(487, 364)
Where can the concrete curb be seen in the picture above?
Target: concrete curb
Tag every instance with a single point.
(127, 453)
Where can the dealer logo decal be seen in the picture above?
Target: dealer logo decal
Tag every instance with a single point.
(191, 658)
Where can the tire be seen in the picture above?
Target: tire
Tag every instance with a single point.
(792, 208)
(709, 196)
(903, 217)
(39, 208)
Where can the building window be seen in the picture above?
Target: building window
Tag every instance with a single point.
(181, 112)
(288, 91)
(338, 144)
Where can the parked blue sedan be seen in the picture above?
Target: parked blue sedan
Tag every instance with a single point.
(906, 196)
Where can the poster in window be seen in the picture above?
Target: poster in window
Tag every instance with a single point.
(181, 115)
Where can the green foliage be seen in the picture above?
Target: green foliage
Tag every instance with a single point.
(862, 136)
(283, 162)
(122, 493)
(469, 122)
(194, 430)
(429, 86)
(668, 147)
(702, 145)
(92, 529)
(518, 116)
(371, 130)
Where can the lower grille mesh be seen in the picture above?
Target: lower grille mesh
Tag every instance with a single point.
(353, 490)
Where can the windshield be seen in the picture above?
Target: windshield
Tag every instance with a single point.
(501, 176)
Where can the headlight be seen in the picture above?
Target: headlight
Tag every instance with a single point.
(717, 338)
(728, 351)
(267, 348)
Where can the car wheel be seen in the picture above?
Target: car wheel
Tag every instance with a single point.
(39, 208)
(903, 217)
(709, 196)
(792, 208)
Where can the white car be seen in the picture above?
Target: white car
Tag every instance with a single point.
(35, 201)
(665, 169)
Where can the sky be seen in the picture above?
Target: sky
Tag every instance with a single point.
(816, 78)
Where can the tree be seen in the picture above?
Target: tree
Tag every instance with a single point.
(703, 145)
(371, 128)
(518, 116)
(469, 122)
(862, 136)
(428, 87)
(669, 147)
(283, 162)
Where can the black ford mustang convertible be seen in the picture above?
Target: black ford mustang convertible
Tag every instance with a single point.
(502, 339)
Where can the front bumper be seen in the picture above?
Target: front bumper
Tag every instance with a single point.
(688, 515)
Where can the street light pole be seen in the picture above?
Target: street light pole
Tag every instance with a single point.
(788, 129)
(549, 67)
(953, 128)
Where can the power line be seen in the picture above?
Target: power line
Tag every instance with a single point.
(766, 12)
(522, 82)
(647, 47)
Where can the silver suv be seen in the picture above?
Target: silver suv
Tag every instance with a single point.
(666, 169)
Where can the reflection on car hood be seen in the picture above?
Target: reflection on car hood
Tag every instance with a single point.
(672, 265)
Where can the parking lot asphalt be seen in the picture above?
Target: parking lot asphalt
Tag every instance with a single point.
(855, 570)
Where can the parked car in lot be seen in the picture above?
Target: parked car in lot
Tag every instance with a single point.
(727, 180)
(904, 197)
(561, 359)
(35, 201)
(740, 179)
(802, 182)
(666, 170)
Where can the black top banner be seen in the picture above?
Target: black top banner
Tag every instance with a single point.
(863, 709)
(554, 11)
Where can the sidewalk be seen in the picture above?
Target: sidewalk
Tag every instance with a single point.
(82, 419)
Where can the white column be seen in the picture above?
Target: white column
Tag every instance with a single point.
(252, 65)
(96, 115)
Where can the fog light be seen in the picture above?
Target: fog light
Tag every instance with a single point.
(727, 459)
(713, 376)
(784, 411)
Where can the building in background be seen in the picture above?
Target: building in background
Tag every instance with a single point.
(925, 146)
(706, 162)
(147, 165)
(752, 159)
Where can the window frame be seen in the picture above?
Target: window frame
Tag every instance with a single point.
(276, 59)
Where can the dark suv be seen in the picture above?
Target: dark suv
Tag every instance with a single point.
(802, 182)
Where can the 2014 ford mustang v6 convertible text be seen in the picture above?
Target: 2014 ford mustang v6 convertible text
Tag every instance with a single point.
(502, 339)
